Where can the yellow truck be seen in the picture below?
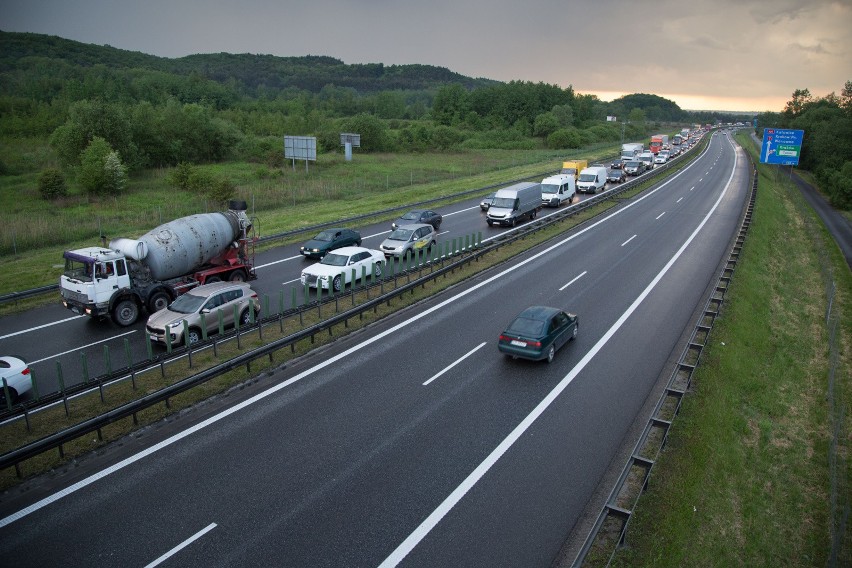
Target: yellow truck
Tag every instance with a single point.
(574, 167)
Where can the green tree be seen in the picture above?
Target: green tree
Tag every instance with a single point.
(636, 116)
(545, 124)
(564, 115)
(115, 174)
(450, 105)
(94, 118)
(91, 174)
(51, 184)
(372, 130)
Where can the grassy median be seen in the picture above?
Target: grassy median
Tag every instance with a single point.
(756, 471)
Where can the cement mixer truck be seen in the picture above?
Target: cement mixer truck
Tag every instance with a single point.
(147, 273)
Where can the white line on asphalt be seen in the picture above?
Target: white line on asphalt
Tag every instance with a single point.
(679, 199)
(660, 215)
(628, 240)
(82, 347)
(463, 357)
(277, 261)
(433, 519)
(39, 327)
(299, 279)
(181, 546)
(691, 188)
(319, 366)
(574, 280)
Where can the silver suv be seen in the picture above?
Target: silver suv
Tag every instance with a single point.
(409, 238)
(166, 325)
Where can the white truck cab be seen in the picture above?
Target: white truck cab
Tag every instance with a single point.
(91, 278)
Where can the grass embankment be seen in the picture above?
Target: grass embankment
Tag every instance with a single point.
(746, 478)
(34, 232)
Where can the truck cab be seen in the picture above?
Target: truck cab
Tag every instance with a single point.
(91, 278)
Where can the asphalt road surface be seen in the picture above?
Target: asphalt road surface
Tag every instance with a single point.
(413, 442)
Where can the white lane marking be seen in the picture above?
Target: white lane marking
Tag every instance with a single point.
(277, 261)
(660, 215)
(291, 281)
(679, 200)
(691, 188)
(39, 327)
(376, 235)
(181, 546)
(319, 366)
(462, 210)
(628, 240)
(574, 280)
(433, 519)
(82, 347)
(462, 358)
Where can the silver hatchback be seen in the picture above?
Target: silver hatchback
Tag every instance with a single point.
(167, 325)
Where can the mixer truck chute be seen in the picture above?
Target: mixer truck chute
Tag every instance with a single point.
(149, 272)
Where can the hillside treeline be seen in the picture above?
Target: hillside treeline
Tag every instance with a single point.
(159, 112)
(827, 141)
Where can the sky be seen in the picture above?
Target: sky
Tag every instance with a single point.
(738, 55)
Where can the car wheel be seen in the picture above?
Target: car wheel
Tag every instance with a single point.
(336, 283)
(551, 353)
(576, 329)
(358, 243)
(13, 396)
(194, 335)
(489, 223)
(378, 269)
(245, 317)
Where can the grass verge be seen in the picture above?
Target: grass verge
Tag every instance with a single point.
(751, 474)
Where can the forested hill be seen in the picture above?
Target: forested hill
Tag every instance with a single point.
(250, 74)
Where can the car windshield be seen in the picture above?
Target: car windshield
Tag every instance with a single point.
(549, 188)
(335, 259)
(325, 236)
(411, 216)
(632, 164)
(401, 235)
(526, 327)
(587, 177)
(187, 304)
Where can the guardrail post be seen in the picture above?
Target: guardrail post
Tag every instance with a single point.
(203, 326)
(307, 292)
(107, 361)
(479, 238)
(84, 362)
(259, 322)
(62, 388)
(148, 347)
(186, 342)
(237, 326)
(221, 315)
(454, 247)
(130, 363)
(319, 296)
(6, 396)
(35, 384)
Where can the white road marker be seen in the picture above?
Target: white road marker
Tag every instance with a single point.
(574, 280)
(462, 358)
(628, 240)
(181, 546)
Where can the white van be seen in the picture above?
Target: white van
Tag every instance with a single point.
(558, 189)
(648, 159)
(592, 179)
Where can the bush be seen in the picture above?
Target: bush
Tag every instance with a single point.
(565, 138)
(91, 175)
(181, 176)
(51, 184)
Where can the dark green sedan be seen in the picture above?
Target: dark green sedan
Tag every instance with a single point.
(330, 239)
(537, 333)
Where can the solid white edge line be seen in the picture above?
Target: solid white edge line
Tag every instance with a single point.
(459, 360)
(433, 519)
(181, 546)
(272, 390)
(574, 279)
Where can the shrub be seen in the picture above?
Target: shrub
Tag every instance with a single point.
(181, 176)
(565, 138)
(51, 184)
(91, 174)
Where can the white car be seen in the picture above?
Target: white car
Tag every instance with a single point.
(660, 158)
(18, 378)
(336, 269)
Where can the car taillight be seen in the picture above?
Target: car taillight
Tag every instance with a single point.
(26, 371)
(534, 343)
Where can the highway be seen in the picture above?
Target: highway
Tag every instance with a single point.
(414, 442)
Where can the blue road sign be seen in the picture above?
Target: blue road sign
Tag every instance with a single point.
(781, 146)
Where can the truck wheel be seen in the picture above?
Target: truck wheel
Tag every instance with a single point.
(158, 301)
(238, 276)
(125, 312)
(212, 279)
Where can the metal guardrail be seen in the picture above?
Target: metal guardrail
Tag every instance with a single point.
(669, 404)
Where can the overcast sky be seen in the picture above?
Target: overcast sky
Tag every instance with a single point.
(714, 55)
